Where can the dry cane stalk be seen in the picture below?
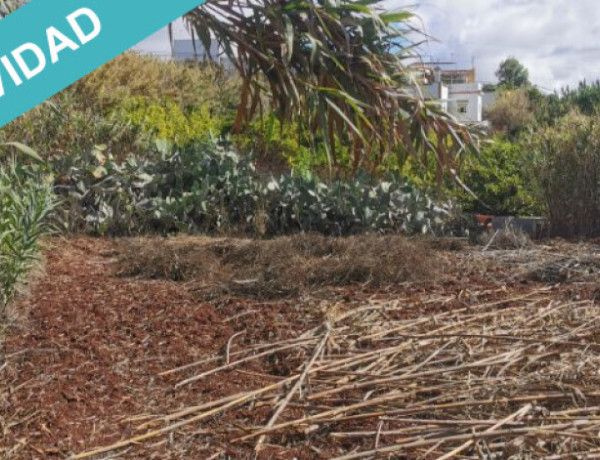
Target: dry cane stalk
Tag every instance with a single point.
(229, 343)
(235, 364)
(170, 428)
(459, 365)
(520, 413)
(217, 358)
(462, 437)
(283, 404)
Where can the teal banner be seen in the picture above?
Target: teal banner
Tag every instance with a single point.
(47, 44)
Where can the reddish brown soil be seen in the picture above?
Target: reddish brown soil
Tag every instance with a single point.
(89, 352)
(91, 349)
(87, 357)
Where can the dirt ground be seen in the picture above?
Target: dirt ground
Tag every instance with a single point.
(83, 366)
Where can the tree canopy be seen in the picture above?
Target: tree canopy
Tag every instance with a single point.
(512, 74)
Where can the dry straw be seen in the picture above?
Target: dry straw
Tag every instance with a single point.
(517, 377)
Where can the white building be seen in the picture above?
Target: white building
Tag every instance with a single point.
(456, 91)
(465, 102)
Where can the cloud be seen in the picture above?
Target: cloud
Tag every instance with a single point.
(556, 40)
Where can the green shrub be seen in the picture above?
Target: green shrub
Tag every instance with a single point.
(569, 174)
(503, 179)
(57, 129)
(133, 76)
(342, 207)
(167, 120)
(26, 203)
(127, 103)
(272, 143)
(585, 98)
(100, 193)
(207, 188)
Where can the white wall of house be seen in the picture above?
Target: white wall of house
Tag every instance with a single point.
(436, 92)
(444, 95)
(431, 91)
(465, 102)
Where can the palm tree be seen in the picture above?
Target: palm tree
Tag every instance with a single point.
(339, 68)
(7, 7)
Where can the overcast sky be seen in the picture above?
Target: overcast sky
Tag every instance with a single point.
(558, 40)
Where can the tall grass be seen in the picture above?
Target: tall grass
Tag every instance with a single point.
(25, 206)
(569, 175)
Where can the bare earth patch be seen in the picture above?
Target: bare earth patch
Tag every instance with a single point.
(491, 357)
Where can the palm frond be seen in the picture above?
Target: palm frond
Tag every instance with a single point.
(339, 68)
(8, 6)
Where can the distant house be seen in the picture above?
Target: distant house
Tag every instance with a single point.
(193, 50)
(456, 91)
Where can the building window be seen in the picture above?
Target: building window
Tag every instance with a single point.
(462, 106)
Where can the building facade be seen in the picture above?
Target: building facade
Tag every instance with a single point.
(456, 91)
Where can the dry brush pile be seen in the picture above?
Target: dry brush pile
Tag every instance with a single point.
(479, 375)
(281, 266)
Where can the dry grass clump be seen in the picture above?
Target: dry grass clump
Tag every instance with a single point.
(282, 266)
(558, 262)
(570, 175)
(452, 244)
(508, 238)
(132, 75)
(511, 113)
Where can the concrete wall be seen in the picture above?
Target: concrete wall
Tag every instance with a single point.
(436, 93)
(466, 102)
